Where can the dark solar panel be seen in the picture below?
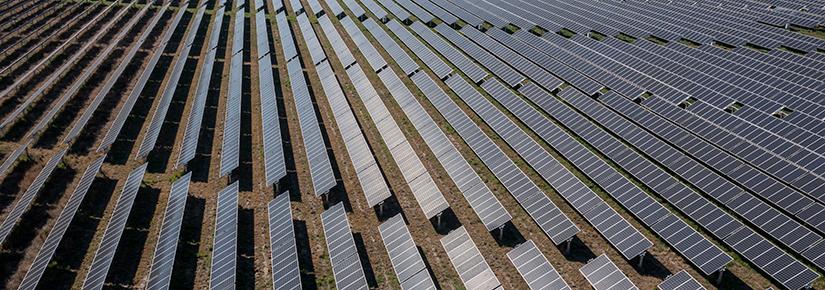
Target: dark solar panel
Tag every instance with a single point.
(286, 273)
(602, 274)
(225, 243)
(680, 281)
(406, 261)
(163, 259)
(346, 265)
(535, 268)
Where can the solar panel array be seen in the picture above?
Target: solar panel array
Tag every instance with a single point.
(369, 173)
(80, 124)
(12, 157)
(429, 197)
(126, 109)
(150, 137)
(406, 261)
(230, 149)
(189, 146)
(546, 214)
(274, 163)
(107, 248)
(46, 252)
(343, 255)
(160, 273)
(25, 201)
(323, 178)
(535, 268)
(602, 274)
(467, 260)
(225, 244)
(285, 271)
(680, 281)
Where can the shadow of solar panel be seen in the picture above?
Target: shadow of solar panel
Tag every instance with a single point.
(44, 255)
(601, 273)
(473, 270)
(680, 281)
(535, 268)
(164, 257)
(406, 260)
(224, 246)
(152, 133)
(24, 202)
(346, 266)
(285, 270)
(114, 229)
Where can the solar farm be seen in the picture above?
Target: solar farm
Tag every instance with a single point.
(412, 144)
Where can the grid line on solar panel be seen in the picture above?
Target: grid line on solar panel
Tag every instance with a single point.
(224, 245)
(107, 248)
(125, 111)
(680, 281)
(366, 168)
(25, 201)
(343, 255)
(535, 268)
(46, 252)
(285, 270)
(602, 274)
(163, 258)
(406, 260)
(159, 115)
(467, 260)
(189, 145)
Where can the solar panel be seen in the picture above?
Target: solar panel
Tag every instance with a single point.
(105, 252)
(335, 40)
(373, 7)
(261, 34)
(373, 57)
(316, 52)
(126, 109)
(189, 145)
(356, 9)
(406, 260)
(24, 202)
(535, 268)
(773, 261)
(335, 8)
(346, 264)
(224, 246)
(286, 273)
(285, 37)
(12, 158)
(163, 259)
(439, 68)
(602, 274)
(112, 78)
(473, 270)
(321, 173)
(44, 255)
(369, 174)
(274, 164)
(230, 149)
(451, 53)
(680, 281)
(152, 133)
(396, 10)
(429, 197)
(277, 5)
(408, 66)
(488, 60)
(314, 7)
